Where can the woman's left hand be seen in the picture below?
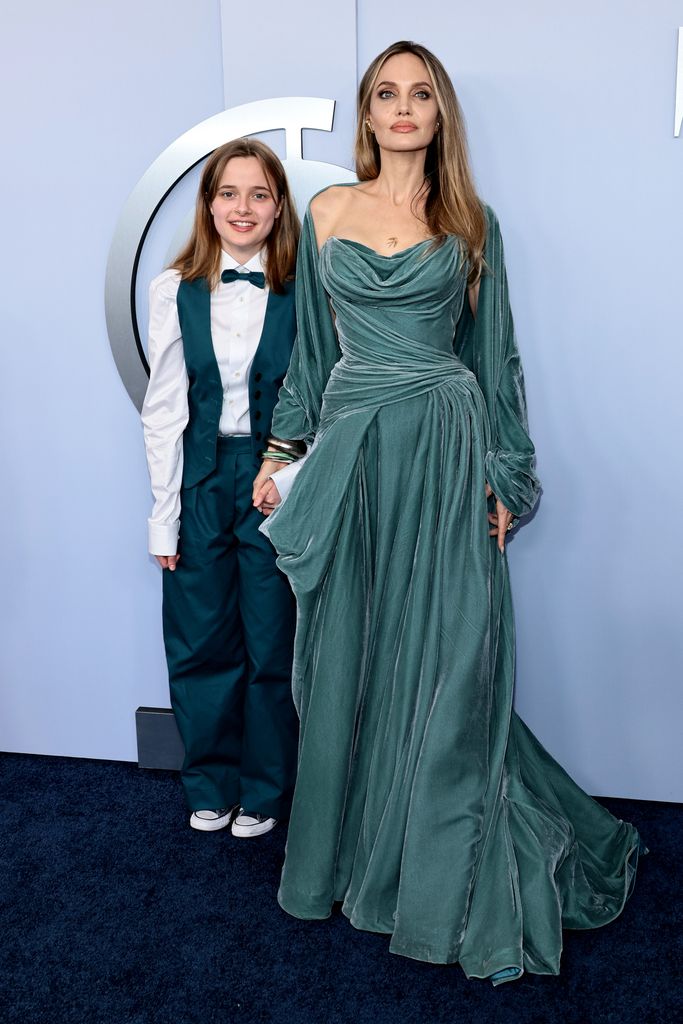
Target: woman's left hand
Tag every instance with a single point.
(500, 520)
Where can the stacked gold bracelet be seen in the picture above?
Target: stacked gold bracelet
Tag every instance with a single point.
(277, 450)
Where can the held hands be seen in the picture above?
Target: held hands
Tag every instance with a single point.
(500, 520)
(265, 494)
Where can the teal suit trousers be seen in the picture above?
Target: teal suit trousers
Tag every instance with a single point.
(229, 619)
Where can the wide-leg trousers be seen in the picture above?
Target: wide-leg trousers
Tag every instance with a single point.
(229, 619)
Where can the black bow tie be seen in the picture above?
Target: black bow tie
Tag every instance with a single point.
(254, 277)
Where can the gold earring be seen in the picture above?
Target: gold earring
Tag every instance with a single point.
(369, 127)
(437, 126)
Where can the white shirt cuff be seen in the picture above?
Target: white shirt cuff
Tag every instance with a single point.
(163, 537)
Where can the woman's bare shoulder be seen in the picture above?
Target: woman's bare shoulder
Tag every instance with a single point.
(331, 199)
(331, 207)
(327, 209)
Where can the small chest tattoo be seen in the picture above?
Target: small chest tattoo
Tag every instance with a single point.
(392, 242)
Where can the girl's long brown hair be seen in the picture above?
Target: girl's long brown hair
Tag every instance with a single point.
(452, 206)
(201, 256)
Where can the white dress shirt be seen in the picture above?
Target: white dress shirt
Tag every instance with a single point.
(238, 310)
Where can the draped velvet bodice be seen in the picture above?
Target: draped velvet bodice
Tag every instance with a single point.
(412, 298)
(418, 287)
(395, 318)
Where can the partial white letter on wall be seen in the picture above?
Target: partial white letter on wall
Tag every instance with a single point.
(678, 114)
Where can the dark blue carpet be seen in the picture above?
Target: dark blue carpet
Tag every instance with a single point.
(115, 912)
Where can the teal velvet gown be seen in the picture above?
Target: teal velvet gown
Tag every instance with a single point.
(423, 802)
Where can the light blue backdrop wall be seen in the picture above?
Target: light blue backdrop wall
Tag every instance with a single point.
(571, 129)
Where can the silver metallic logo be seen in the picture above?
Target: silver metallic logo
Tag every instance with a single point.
(306, 177)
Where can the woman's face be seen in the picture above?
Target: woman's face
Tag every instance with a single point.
(403, 111)
(244, 208)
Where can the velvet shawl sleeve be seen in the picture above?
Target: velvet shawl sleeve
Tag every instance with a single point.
(316, 348)
(487, 345)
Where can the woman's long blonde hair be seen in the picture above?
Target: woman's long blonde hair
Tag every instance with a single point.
(452, 206)
(201, 256)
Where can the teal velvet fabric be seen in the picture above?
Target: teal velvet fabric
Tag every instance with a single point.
(423, 803)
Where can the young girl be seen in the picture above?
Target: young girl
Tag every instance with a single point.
(221, 330)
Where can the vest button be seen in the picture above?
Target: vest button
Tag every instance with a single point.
(259, 454)
(258, 376)
(257, 394)
(257, 414)
(258, 435)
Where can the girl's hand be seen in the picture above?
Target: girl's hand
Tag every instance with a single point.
(265, 494)
(267, 498)
(268, 466)
(168, 561)
(500, 520)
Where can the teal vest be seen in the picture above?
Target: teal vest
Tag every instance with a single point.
(205, 390)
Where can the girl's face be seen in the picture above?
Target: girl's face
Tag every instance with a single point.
(244, 208)
(403, 111)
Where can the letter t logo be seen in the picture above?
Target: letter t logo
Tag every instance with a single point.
(678, 115)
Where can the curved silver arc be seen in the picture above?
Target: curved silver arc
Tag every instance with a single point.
(291, 113)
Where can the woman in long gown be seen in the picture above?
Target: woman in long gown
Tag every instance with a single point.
(423, 802)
